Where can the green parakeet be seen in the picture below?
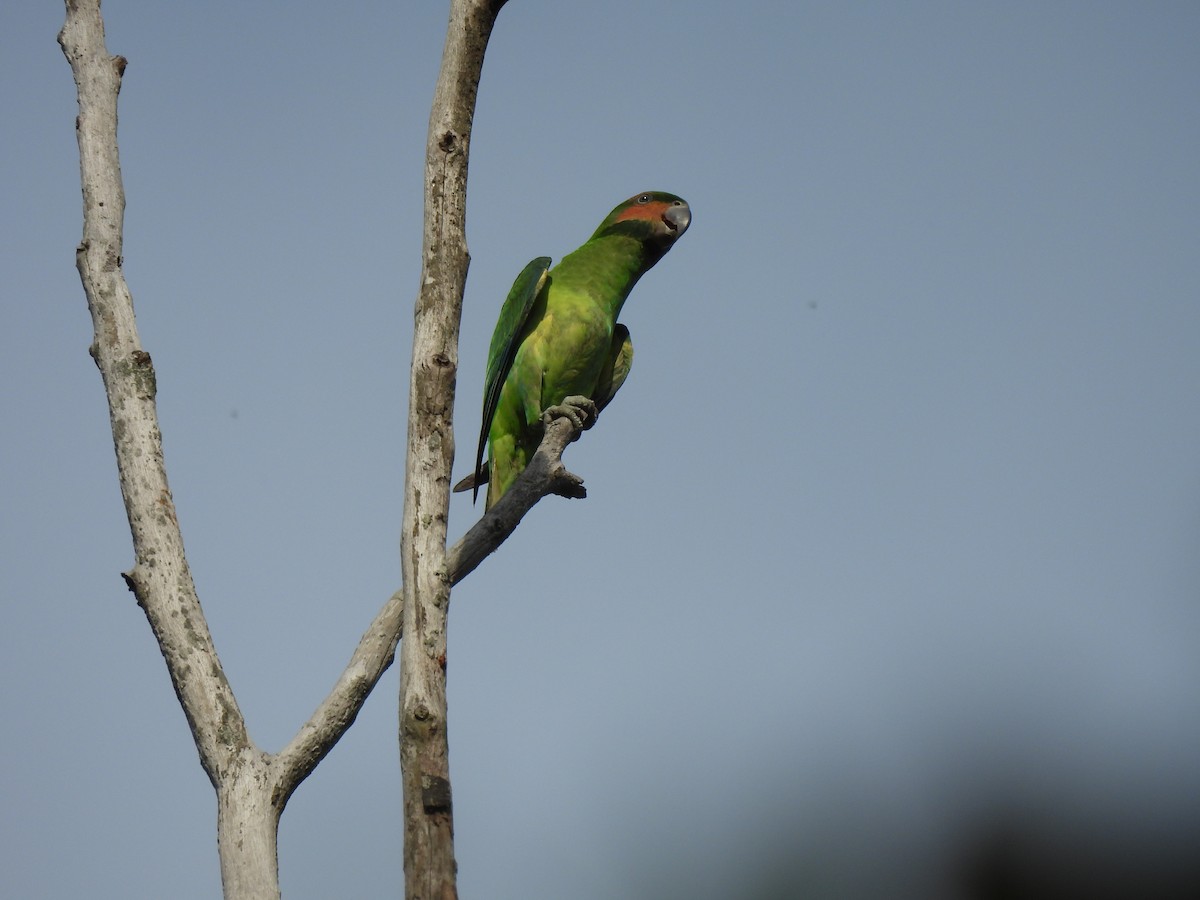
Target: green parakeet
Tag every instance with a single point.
(558, 346)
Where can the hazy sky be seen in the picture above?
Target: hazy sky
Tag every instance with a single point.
(892, 538)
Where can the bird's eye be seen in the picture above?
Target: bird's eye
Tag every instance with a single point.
(645, 198)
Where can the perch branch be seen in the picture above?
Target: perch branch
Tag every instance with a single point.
(544, 475)
(253, 787)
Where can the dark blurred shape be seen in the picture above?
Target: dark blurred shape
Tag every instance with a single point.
(1012, 856)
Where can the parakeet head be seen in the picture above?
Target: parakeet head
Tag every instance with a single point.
(656, 218)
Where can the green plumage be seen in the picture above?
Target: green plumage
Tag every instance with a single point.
(558, 335)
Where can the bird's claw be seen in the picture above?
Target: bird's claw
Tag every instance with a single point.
(580, 410)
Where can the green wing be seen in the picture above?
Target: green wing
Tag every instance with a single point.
(616, 367)
(514, 315)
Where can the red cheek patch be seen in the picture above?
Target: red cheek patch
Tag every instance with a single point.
(649, 211)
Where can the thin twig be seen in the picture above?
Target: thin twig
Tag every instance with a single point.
(376, 651)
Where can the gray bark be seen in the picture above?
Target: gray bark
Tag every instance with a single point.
(429, 866)
(253, 786)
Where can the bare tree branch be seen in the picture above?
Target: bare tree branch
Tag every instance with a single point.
(247, 821)
(429, 867)
(337, 712)
(544, 475)
(160, 578)
(253, 787)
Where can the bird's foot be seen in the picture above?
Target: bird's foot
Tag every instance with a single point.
(580, 410)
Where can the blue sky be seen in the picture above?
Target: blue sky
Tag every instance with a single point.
(891, 542)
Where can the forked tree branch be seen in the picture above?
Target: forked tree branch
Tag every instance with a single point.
(247, 807)
(371, 658)
(128, 376)
(544, 475)
(253, 787)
